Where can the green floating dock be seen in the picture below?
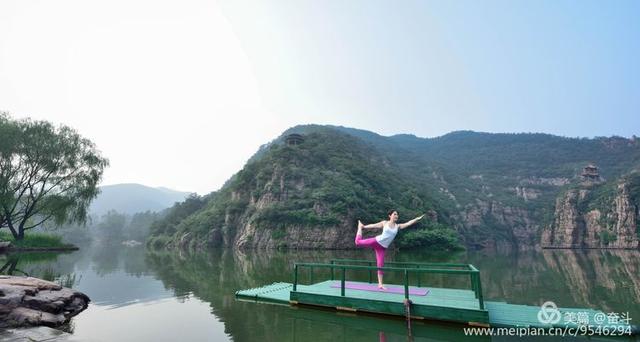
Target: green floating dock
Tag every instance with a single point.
(464, 306)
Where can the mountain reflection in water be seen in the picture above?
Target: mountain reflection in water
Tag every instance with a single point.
(138, 295)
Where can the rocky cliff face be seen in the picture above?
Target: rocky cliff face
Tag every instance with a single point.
(308, 195)
(578, 224)
(497, 191)
(517, 228)
(241, 230)
(250, 234)
(508, 215)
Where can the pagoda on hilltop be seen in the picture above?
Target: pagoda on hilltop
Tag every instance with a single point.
(591, 174)
(294, 139)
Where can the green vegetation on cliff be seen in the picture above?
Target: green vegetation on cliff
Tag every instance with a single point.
(330, 180)
(490, 188)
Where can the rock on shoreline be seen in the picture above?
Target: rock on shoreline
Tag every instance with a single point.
(27, 301)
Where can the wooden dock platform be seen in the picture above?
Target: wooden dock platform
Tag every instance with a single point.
(438, 304)
(464, 306)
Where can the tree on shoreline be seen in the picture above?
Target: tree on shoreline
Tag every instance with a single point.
(46, 173)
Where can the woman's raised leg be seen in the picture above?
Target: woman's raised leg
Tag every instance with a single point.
(360, 242)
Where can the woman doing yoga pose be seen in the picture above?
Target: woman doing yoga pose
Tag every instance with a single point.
(381, 242)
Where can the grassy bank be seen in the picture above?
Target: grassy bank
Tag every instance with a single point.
(36, 241)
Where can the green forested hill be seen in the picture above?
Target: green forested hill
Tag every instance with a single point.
(484, 189)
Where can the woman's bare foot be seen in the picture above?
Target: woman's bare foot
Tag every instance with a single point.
(360, 225)
(381, 287)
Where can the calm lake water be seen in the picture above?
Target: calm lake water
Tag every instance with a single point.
(139, 295)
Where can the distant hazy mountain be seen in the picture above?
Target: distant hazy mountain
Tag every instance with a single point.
(133, 198)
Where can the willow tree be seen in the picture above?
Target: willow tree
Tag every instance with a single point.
(46, 173)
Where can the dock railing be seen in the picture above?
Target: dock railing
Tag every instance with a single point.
(410, 267)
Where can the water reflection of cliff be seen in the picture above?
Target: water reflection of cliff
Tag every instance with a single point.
(601, 279)
(113, 276)
(607, 279)
(215, 277)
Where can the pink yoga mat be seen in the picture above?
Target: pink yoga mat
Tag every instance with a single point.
(374, 287)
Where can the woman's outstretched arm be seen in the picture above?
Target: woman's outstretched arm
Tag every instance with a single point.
(373, 225)
(409, 223)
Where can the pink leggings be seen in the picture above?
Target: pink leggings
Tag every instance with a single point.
(371, 242)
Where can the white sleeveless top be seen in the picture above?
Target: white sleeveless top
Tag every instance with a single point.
(387, 236)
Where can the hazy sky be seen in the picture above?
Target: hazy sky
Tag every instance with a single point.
(181, 93)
